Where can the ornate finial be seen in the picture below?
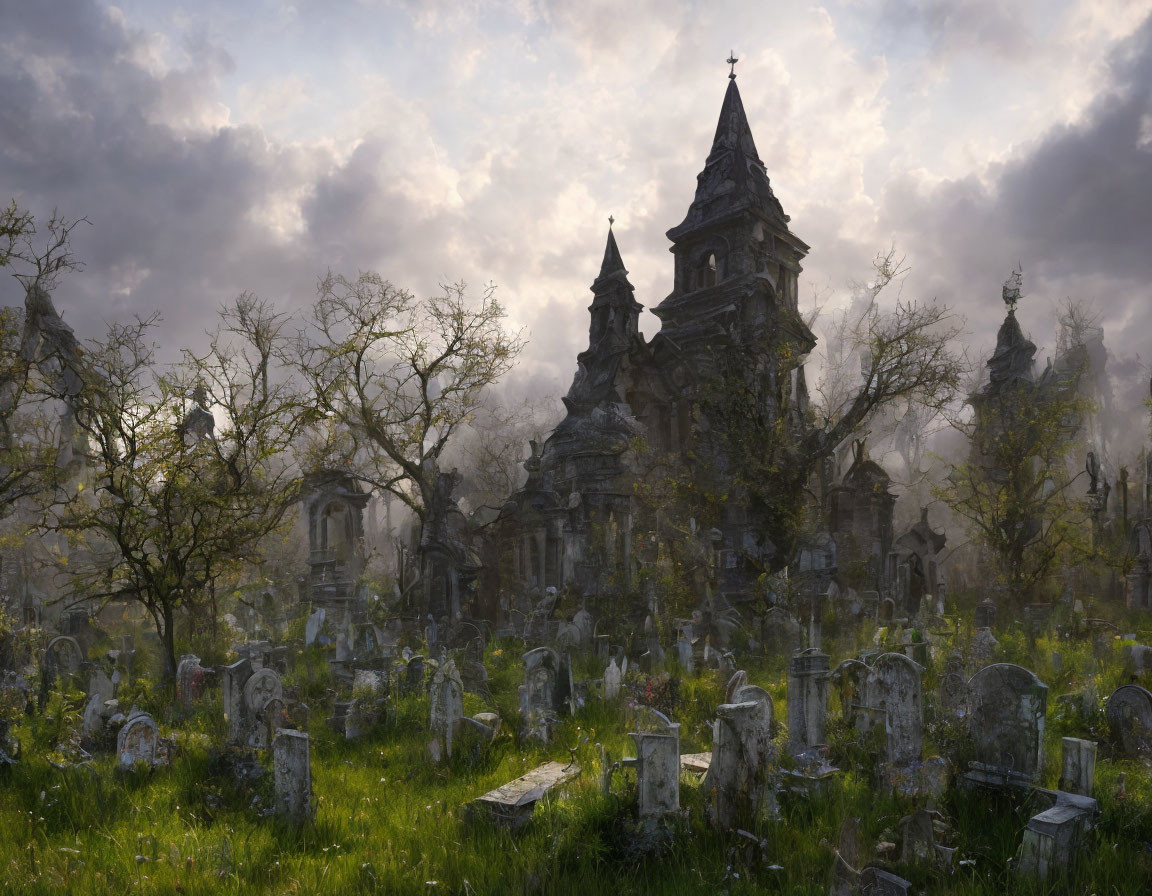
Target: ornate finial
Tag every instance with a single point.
(1011, 291)
(611, 221)
(732, 60)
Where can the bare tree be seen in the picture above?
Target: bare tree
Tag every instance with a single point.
(401, 376)
(187, 467)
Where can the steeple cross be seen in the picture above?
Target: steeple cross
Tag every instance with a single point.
(611, 221)
(732, 60)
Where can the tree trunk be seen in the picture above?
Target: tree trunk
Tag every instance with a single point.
(168, 639)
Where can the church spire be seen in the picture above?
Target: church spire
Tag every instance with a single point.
(734, 180)
(613, 264)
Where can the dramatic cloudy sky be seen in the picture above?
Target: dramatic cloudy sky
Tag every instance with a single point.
(227, 145)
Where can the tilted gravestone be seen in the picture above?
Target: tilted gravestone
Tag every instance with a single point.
(1129, 715)
(737, 784)
(447, 708)
(1005, 715)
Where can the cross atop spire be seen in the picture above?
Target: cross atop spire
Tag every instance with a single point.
(732, 60)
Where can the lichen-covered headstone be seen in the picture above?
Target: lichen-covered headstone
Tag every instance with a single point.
(137, 741)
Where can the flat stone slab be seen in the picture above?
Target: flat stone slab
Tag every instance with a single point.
(512, 803)
(698, 763)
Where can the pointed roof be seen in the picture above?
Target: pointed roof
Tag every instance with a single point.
(613, 265)
(734, 179)
(1012, 358)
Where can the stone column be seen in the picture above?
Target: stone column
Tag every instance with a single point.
(293, 770)
(807, 699)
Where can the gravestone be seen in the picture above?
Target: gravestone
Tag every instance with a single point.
(781, 632)
(1005, 715)
(1129, 715)
(985, 614)
(657, 762)
(313, 627)
(137, 741)
(612, 680)
(878, 882)
(512, 804)
(737, 784)
(292, 770)
(413, 680)
(64, 655)
(893, 700)
(886, 612)
(1053, 837)
(542, 693)
(982, 648)
(252, 699)
(447, 707)
(1077, 765)
(190, 679)
(807, 699)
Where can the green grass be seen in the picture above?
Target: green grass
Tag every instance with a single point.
(391, 821)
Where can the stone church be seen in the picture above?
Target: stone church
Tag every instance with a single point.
(577, 522)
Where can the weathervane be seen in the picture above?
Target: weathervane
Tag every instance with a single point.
(732, 60)
(1012, 286)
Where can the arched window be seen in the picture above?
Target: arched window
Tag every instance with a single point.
(705, 272)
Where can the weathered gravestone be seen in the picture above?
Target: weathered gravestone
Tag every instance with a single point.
(447, 708)
(807, 699)
(892, 704)
(1077, 765)
(1129, 715)
(547, 687)
(657, 762)
(952, 692)
(781, 632)
(1005, 716)
(190, 681)
(737, 784)
(612, 680)
(292, 769)
(137, 741)
(878, 882)
(253, 701)
(985, 614)
(513, 803)
(1053, 837)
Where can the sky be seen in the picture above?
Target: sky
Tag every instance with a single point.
(223, 146)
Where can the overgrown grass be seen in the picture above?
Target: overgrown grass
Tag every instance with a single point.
(390, 820)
